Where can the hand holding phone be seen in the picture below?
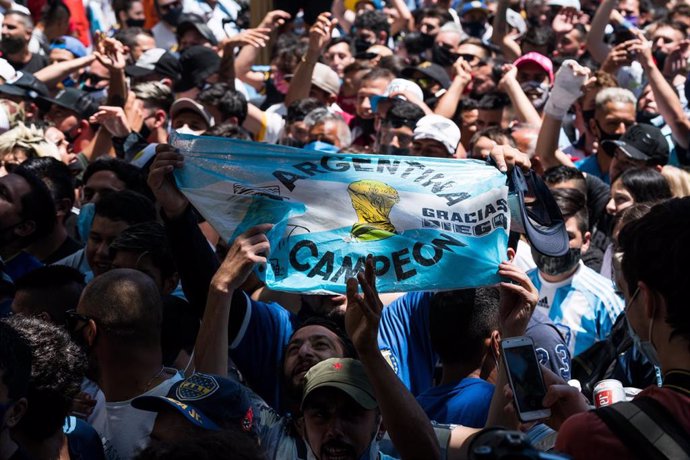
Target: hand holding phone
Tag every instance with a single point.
(525, 378)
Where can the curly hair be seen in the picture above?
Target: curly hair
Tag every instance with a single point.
(57, 370)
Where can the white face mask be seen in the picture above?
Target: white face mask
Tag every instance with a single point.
(187, 130)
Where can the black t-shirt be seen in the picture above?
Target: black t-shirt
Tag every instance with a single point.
(67, 248)
(36, 63)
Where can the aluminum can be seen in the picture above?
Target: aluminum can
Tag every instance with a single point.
(607, 392)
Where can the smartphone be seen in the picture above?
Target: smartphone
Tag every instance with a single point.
(525, 378)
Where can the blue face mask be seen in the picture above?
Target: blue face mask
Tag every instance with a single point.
(646, 347)
(85, 219)
(320, 146)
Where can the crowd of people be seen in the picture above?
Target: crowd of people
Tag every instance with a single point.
(130, 329)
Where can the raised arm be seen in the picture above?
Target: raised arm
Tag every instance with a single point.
(257, 38)
(595, 38)
(567, 88)
(211, 349)
(248, 54)
(407, 424)
(319, 35)
(448, 103)
(499, 37)
(667, 100)
(53, 74)
(524, 109)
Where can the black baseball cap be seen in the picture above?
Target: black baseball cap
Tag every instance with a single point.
(197, 64)
(155, 60)
(431, 70)
(25, 85)
(75, 100)
(540, 219)
(194, 21)
(641, 142)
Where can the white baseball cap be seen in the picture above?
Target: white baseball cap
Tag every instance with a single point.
(565, 3)
(440, 129)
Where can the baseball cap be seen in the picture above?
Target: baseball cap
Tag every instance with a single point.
(641, 142)
(196, 63)
(155, 60)
(24, 85)
(207, 401)
(540, 219)
(474, 5)
(190, 21)
(75, 100)
(440, 129)
(516, 21)
(326, 79)
(184, 103)
(71, 44)
(345, 374)
(431, 70)
(565, 3)
(395, 86)
(539, 59)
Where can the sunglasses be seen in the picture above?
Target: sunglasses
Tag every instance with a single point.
(73, 320)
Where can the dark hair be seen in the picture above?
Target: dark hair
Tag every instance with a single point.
(127, 173)
(395, 63)
(493, 101)
(147, 238)
(488, 52)
(55, 174)
(179, 328)
(645, 184)
(573, 203)
(229, 102)
(207, 445)
(15, 361)
(562, 173)
(460, 321)
(467, 103)
(57, 370)
(540, 36)
(288, 52)
(126, 206)
(376, 21)
(655, 250)
(337, 41)
(53, 289)
(229, 130)
(496, 134)
(348, 347)
(52, 12)
(404, 113)
(434, 11)
(37, 205)
(128, 36)
(122, 5)
(378, 73)
(634, 212)
(300, 108)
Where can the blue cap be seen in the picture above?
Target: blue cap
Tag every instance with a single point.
(207, 401)
(474, 5)
(71, 44)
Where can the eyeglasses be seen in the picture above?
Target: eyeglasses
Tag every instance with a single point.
(471, 58)
(72, 320)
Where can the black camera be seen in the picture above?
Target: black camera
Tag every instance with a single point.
(496, 443)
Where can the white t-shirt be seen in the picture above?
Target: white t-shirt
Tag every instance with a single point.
(128, 428)
(164, 36)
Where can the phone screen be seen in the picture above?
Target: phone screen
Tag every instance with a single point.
(525, 375)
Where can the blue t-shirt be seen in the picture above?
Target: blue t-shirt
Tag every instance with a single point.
(590, 165)
(82, 440)
(464, 403)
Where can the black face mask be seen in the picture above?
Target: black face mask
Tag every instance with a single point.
(427, 41)
(135, 22)
(443, 56)
(660, 58)
(145, 132)
(474, 29)
(646, 117)
(12, 45)
(555, 266)
(604, 136)
(361, 45)
(172, 16)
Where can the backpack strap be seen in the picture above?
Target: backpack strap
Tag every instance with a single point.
(647, 428)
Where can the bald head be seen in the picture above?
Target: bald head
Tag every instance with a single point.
(126, 305)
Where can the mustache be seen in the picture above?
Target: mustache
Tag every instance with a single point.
(339, 445)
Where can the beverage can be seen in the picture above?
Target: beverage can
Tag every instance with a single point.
(607, 392)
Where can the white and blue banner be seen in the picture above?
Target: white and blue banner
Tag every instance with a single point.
(430, 223)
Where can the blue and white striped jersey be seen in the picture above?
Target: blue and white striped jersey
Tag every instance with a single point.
(584, 306)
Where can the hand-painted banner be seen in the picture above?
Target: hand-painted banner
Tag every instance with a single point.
(430, 223)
